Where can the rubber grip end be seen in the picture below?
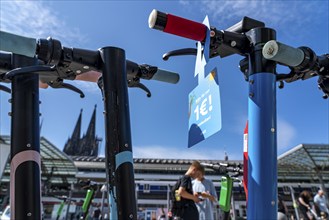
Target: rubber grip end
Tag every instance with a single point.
(157, 20)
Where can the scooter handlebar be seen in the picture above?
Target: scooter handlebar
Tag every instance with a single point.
(223, 168)
(84, 61)
(166, 76)
(18, 44)
(176, 25)
(159, 75)
(282, 53)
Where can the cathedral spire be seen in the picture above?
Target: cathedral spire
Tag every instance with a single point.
(77, 128)
(72, 144)
(91, 131)
(88, 144)
(89, 141)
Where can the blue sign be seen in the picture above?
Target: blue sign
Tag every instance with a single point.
(204, 110)
(204, 101)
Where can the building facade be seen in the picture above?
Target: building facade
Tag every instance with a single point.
(305, 166)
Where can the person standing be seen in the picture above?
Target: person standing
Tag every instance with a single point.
(321, 202)
(205, 189)
(304, 203)
(282, 209)
(96, 213)
(184, 207)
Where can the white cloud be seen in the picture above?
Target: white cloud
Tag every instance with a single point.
(184, 2)
(273, 11)
(286, 134)
(36, 19)
(89, 87)
(295, 14)
(180, 153)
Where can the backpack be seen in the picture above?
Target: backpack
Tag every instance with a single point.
(177, 207)
(173, 191)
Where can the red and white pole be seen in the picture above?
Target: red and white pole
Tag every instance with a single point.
(245, 161)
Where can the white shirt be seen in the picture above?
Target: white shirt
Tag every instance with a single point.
(321, 202)
(205, 207)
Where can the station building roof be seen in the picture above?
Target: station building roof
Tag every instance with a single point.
(305, 163)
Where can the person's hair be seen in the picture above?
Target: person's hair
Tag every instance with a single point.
(196, 164)
(306, 194)
(203, 171)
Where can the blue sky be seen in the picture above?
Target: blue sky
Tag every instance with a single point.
(159, 124)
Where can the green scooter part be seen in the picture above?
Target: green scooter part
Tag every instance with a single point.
(225, 193)
(87, 201)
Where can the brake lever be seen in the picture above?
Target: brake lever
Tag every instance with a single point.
(180, 52)
(132, 83)
(137, 84)
(323, 84)
(28, 70)
(89, 184)
(5, 89)
(58, 84)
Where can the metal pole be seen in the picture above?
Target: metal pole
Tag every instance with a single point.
(294, 202)
(233, 205)
(168, 197)
(118, 147)
(262, 165)
(25, 191)
(69, 199)
(136, 194)
(103, 190)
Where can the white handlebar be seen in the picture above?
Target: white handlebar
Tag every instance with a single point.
(282, 53)
(17, 44)
(166, 76)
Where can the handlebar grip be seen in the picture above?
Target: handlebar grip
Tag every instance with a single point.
(18, 44)
(216, 167)
(166, 76)
(282, 53)
(176, 25)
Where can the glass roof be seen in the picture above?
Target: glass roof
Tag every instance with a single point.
(305, 162)
(55, 165)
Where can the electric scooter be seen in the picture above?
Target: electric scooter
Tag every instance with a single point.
(28, 63)
(257, 43)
